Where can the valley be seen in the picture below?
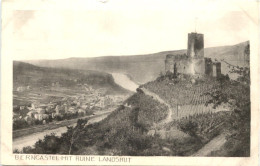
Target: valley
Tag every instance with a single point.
(42, 108)
(132, 106)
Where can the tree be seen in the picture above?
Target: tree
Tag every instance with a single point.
(190, 127)
(49, 145)
(73, 137)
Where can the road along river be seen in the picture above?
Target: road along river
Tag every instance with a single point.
(30, 140)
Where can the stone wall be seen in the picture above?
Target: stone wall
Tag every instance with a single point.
(184, 64)
(216, 69)
(192, 66)
(208, 67)
(171, 60)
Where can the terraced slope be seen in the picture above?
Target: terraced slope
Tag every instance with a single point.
(183, 97)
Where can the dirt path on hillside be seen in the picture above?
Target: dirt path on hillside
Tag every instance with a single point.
(215, 144)
(160, 100)
(159, 128)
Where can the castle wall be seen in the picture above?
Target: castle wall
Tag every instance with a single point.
(216, 69)
(169, 65)
(171, 60)
(185, 65)
(191, 66)
(208, 67)
(199, 66)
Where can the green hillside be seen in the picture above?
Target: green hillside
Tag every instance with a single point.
(142, 68)
(25, 74)
(40, 84)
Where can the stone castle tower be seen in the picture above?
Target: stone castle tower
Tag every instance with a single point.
(195, 45)
(193, 62)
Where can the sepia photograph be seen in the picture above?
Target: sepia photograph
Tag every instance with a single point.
(123, 79)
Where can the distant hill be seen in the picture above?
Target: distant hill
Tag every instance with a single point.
(25, 74)
(142, 68)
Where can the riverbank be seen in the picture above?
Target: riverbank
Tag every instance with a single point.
(31, 139)
(50, 126)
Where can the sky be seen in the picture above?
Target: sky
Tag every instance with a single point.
(55, 29)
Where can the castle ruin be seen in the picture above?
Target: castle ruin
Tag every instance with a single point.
(193, 63)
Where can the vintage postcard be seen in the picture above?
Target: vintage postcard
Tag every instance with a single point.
(127, 82)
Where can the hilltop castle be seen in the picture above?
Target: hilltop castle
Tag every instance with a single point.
(193, 62)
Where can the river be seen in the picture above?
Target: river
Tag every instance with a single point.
(124, 81)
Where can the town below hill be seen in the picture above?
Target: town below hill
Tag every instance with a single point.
(44, 95)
